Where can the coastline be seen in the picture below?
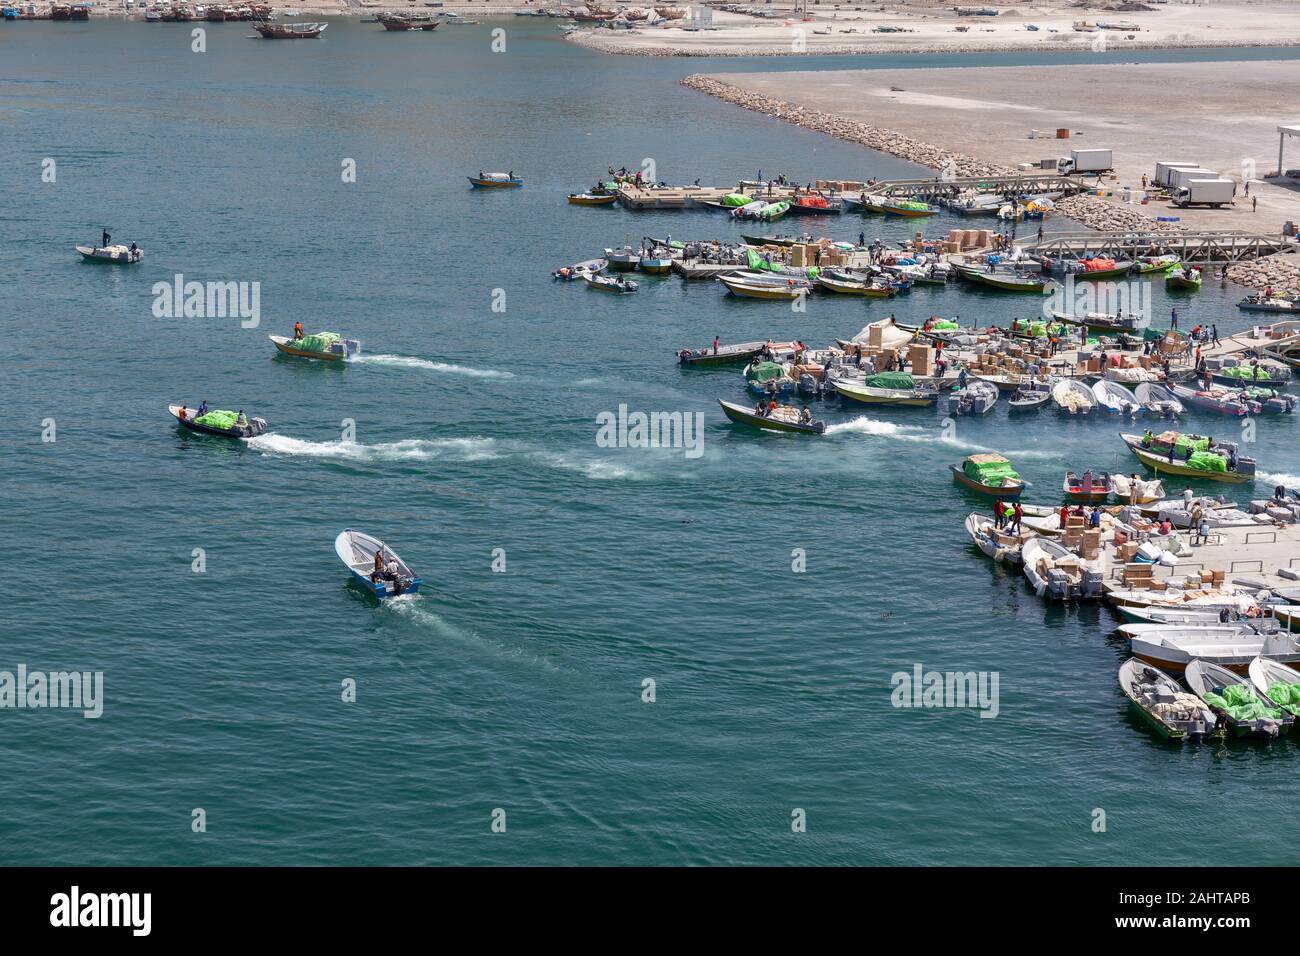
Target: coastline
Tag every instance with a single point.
(943, 117)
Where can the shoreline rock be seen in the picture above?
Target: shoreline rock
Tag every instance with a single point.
(1089, 211)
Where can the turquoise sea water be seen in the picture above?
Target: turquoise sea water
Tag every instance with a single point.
(475, 431)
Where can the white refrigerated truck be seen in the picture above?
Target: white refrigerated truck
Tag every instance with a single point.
(1205, 192)
(1085, 161)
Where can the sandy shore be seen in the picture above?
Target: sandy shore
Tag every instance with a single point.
(934, 27)
(978, 121)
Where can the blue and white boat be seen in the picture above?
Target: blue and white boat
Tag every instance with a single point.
(392, 577)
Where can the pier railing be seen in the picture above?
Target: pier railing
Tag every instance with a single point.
(1206, 247)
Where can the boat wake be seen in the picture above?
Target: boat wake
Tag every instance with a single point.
(444, 368)
(862, 425)
(411, 449)
(594, 469)
(412, 608)
(1278, 478)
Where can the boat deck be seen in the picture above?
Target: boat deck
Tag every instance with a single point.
(686, 197)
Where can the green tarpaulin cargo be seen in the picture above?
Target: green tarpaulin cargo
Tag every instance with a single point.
(765, 372)
(901, 380)
(218, 419)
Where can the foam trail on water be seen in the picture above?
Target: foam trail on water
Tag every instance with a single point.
(1278, 478)
(862, 425)
(446, 368)
(411, 449)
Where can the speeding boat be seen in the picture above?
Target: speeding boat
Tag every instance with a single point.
(782, 418)
(326, 346)
(218, 422)
(116, 254)
(357, 550)
(1158, 460)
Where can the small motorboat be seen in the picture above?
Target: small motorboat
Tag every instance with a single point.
(1029, 397)
(593, 199)
(622, 260)
(1215, 400)
(977, 398)
(748, 287)
(1160, 700)
(722, 355)
(997, 543)
(495, 181)
(1073, 397)
(989, 474)
(1209, 463)
(1115, 398)
(391, 578)
(218, 422)
(613, 284)
(1158, 400)
(1122, 486)
(578, 270)
(1233, 645)
(1184, 278)
(1279, 683)
(1059, 574)
(888, 388)
(1149, 264)
(117, 254)
(1255, 374)
(782, 418)
(1090, 488)
(326, 346)
(1241, 708)
(1259, 302)
(289, 31)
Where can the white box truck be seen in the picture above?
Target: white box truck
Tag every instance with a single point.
(1181, 177)
(1085, 161)
(1167, 171)
(1205, 192)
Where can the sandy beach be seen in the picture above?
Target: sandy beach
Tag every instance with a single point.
(928, 26)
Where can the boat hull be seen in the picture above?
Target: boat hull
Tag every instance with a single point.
(707, 358)
(744, 416)
(1006, 493)
(1161, 464)
(288, 349)
(865, 395)
(593, 200)
(494, 183)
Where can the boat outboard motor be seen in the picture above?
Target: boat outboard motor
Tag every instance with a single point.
(1091, 583)
(1058, 584)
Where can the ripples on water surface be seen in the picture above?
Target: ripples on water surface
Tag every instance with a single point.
(474, 431)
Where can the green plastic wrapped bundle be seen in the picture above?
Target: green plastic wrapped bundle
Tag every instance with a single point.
(1195, 443)
(1244, 372)
(317, 341)
(891, 380)
(1243, 704)
(1288, 695)
(764, 372)
(912, 204)
(995, 473)
(944, 325)
(1207, 461)
(218, 418)
(757, 263)
(736, 199)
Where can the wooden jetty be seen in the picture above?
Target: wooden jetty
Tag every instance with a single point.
(1206, 247)
(686, 197)
(941, 188)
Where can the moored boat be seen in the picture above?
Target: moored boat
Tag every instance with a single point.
(1148, 264)
(1259, 302)
(1279, 683)
(751, 288)
(1005, 280)
(1233, 645)
(977, 398)
(1029, 397)
(1162, 702)
(888, 388)
(374, 565)
(592, 199)
(289, 31)
(1158, 400)
(1115, 398)
(1058, 574)
(782, 418)
(997, 543)
(1104, 322)
(227, 424)
(722, 355)
(1089, 487)
(1233, 698)
(1073, 397)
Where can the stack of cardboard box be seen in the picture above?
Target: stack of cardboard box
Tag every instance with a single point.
(1138, 574)
(921, 359)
